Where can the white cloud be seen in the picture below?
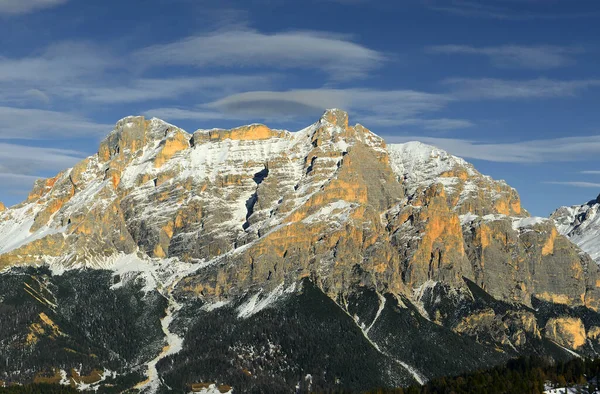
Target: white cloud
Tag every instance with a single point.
(373, 107)
(20, 166)
(81, 71)
(332, 53)
(442, 124)
(26, 123)
(189, 114)
(40, 76)
(147, 89)
(269, 104)
(592, 172)
(37, 95)
(490, 88)
(14, 7)
(535, 57)
(59, 63)
(27, 160)
(576, 184)
(533, 151)
(497, 10)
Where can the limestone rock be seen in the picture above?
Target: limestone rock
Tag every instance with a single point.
(332, 202)
(566, 331)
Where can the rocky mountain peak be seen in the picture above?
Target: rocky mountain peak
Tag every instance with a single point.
(132, 134)
(241, 219)
(2, 207)
(598, 199)
(336, 117)
(317, 202)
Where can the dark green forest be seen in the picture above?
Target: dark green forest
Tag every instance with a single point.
(38, 389)
(519, 376)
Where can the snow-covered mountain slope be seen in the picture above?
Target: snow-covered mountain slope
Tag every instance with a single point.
(581, 224)
(280, 202)
(468, 191)
(231, 229)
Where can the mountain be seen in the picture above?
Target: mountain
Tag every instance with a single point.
(269, 261)
(581, 224)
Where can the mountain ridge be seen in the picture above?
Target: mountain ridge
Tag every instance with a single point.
(242, 226)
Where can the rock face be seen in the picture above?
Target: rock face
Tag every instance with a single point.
(401, 238)
(567, 331)
(581, 224)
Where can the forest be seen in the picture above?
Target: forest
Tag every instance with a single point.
(518, 376)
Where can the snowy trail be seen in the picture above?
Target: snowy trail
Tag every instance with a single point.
(174, 342)
(174, 345)
(381, 307)
(418, 376)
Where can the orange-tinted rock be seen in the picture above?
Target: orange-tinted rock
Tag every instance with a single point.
(175, 143)
(245, 133)
(331, 202)
(566, 331)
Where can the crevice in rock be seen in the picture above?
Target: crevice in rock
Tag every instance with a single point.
(310, 167)
(258, 178)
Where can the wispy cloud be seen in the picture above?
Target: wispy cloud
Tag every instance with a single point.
(490, 88)
(197, 114)
(270, 104)
(61, 62)
(575, 184)
(533, 151)
(14, 7)
(591, 172)
(334, 54)
(42, 75)
(27, 123)
(27, 160)
(21, 164)
(149, 89)
(534, 57)
(495, 9)
(373, 107)
(84, 72)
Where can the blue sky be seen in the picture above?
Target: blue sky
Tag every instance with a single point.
(511, 85)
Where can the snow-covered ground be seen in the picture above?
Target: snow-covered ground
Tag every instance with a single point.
(569, 390)
(212, 389)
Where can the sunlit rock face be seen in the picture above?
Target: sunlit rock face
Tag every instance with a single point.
(319, 202)
(259, 208)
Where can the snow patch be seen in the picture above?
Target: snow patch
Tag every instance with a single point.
(209, 307)
(520, 223)
(212, 389)
(339, 210)
(15, 227)
(256, 304)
